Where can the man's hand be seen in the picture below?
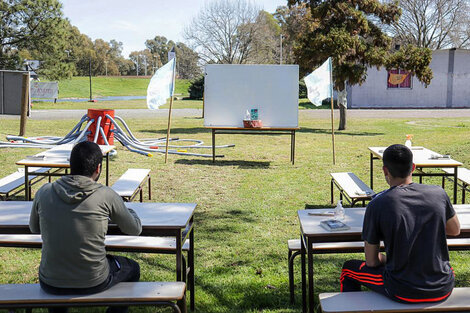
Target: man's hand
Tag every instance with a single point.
(373, 256)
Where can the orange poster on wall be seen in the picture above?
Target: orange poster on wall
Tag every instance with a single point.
(397, 79)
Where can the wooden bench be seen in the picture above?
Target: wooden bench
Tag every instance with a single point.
(463, 175)
(351, 187)
(119, 243)
(457, 244)
(369, 301)
(14, 181)
(28, 296)
(131, 183)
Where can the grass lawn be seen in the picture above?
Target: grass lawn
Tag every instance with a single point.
(127, 104)
(247, 202)
(79, 87)
(141, 104)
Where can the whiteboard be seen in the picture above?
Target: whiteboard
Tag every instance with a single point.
(230, 90)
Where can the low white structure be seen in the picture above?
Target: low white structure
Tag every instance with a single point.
(449, 88)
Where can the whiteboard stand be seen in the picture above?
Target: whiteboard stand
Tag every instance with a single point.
(257, 131)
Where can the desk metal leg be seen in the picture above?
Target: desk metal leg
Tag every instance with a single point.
(455, 184)
(304, 283)
(191, 265)
(213, 145)
(310, 276)
(371, 171)
(107, 169)
(27, 193)
(293, 147)
(179, 258)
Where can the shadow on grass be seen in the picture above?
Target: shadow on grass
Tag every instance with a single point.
(241, 164)
(248, 297)
(192, 130)
(316, 206)
(337, 132)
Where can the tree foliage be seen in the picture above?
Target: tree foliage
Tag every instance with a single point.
(434, 24)
(349, 32)
(295, 21)
(223, 31)
(186, 59)
(265, 45)
(37, 27)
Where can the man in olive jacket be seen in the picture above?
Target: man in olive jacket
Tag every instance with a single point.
(72, 215)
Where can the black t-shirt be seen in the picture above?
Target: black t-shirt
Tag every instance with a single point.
(411, 221)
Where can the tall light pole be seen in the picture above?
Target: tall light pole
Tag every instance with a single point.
(145, 62)
(280, 52)
(106, 67)
(137, 66)
(156, 64)
(89, 72)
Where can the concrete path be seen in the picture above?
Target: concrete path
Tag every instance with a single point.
(163, 113)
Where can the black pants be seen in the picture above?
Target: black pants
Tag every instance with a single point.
(121, 269)
(356, 273)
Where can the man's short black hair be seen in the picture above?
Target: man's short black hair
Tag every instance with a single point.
(398, 159)
(85, 158)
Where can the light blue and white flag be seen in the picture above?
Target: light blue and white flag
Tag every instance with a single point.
(161, 86)
(319, 83)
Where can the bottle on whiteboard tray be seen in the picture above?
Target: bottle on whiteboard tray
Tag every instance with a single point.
(408, 141)
(247, 116)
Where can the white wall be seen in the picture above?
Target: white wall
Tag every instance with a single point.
(375, 94)
(461, 88)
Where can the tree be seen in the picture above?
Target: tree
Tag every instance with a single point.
(223, 31)
(38, 27)
(347, 31)
(434, 24)
(265, 46)
(186, 62)
(295, 21)
(159, 46)
(186, 59)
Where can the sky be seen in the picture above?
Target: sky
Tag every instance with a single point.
(133, 22)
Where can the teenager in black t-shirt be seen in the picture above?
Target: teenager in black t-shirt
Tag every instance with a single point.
(412, 220)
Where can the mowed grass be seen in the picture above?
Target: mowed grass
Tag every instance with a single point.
(116, 105)
(247, 202)
(102, 86)
(304, 104)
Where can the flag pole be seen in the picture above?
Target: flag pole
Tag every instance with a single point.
(332, 112)
(169, 113)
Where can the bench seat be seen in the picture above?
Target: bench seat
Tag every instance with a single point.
(463, 175)
(294, 247)
(113, 243)
(368, 301)
(351, 187)
(15, 180)
(131, 183)
(126, 293)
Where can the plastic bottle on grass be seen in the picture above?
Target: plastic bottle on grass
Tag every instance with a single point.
(339, 211)
(408, 141)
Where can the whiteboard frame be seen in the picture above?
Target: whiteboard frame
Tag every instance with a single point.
(232, 89)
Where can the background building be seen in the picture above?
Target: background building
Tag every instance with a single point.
(450, 87)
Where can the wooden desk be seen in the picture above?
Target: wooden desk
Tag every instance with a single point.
(57, 157)
(422, 159)
(158, 219)
(256, 131)
(311, 232)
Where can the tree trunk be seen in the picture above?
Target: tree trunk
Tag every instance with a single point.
(343, 104)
